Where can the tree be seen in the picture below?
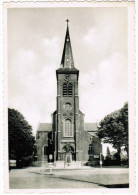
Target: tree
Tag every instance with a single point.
(21, 140)
(113, 129)
(108, 152)
(108, 157)
(124, 119)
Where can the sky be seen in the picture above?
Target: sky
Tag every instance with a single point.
(35, 45)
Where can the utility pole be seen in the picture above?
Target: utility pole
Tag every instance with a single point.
(101, 162)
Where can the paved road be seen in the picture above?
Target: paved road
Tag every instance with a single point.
(33, 178)
(20, 179)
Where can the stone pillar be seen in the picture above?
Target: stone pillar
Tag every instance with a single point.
(58, 89)
(77, 129)
(76, 88)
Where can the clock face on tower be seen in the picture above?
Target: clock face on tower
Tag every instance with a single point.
(67, 106)
(67, 77)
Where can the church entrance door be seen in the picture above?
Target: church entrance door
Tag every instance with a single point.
(68, 158)
(68, 154)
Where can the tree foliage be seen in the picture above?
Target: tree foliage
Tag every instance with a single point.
(113, 129)
(21, 140)
(108, 152)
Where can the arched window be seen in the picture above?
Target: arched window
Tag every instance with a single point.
(68, 128)
(67, 90)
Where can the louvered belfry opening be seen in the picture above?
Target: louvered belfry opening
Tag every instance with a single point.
(70, 90)
(67, 90)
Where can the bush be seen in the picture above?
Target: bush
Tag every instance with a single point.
(111, 163)
(125, 162)
(25, 162)
(113, 160)
(107, 161)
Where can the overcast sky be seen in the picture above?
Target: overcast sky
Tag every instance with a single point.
(35, 45)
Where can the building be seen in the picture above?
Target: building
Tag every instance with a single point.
(68, 140)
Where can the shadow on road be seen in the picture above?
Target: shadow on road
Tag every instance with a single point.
(104, 185)
(117, 186)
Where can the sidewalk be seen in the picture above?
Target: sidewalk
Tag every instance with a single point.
(47, 170)
(58, 168)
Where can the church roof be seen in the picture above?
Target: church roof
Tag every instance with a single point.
(90, 127)
(44, 127)
(67, 62)
(93, 133)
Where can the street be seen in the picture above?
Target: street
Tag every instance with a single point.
(35, 178)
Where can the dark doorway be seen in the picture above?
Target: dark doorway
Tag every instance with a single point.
(69, 154)
(68, 159)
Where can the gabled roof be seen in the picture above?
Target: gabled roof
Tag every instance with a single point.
(44, 127)
(81, 112)
(90, 127)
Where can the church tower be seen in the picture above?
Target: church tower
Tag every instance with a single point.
(67, 135)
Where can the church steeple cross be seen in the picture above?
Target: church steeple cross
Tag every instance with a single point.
(67, 21)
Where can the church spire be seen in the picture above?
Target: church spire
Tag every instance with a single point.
(67, 61)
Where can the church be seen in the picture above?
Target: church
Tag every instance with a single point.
(68, 141)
